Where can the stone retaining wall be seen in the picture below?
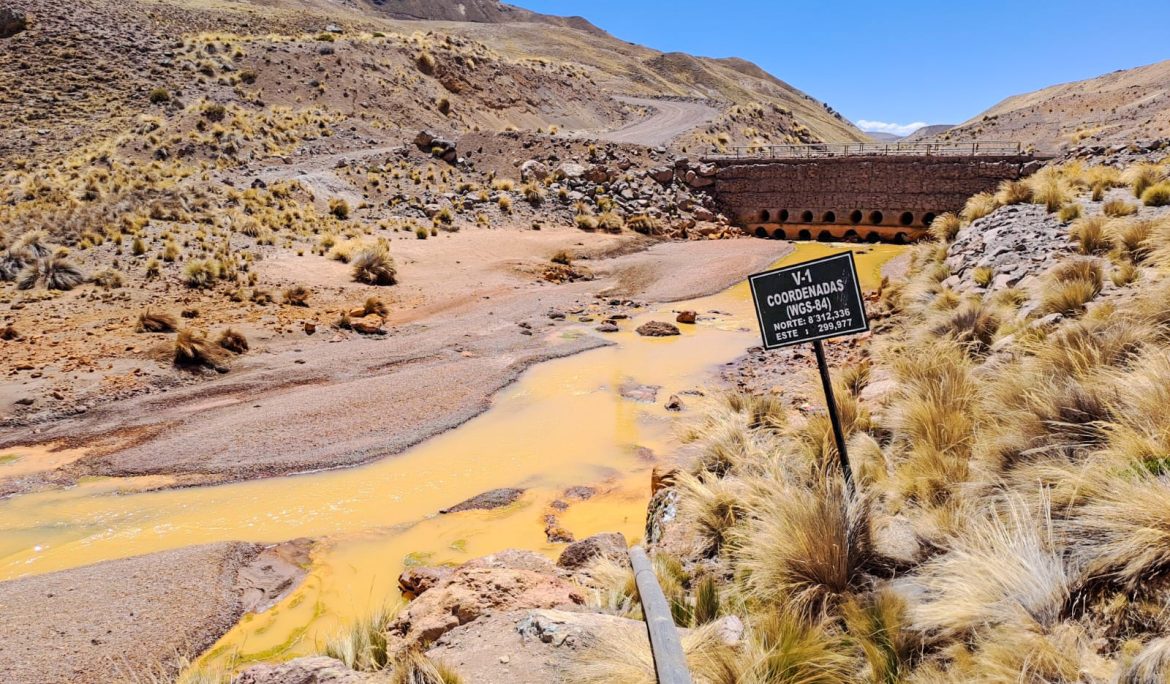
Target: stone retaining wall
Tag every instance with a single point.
(870, 197)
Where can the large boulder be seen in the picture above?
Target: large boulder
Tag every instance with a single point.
(533, 170)
(515, 580)
(606, 545)
(571, 171)
(12, 22)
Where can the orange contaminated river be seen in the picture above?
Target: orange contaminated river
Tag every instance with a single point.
(562, 424)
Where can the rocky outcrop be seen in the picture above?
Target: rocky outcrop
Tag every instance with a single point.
(441, 148)
(415, 581)
(496, 498)
(1015, 242)
(511, 580)
(311, 670)
(686, 317)
(606, 545)
(635, 391)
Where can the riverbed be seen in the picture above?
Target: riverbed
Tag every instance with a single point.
(563, 424)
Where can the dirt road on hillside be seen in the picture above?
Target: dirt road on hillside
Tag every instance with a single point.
(670, 120)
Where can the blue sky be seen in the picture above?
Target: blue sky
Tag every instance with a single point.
(900, 61)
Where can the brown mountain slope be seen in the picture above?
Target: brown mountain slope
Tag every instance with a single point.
(477, 11)
(87, 68)
(1123, 106)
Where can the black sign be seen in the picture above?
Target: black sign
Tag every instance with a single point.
(809, 301)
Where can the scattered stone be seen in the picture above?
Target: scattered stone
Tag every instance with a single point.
(687, 317)
(310, 328)
(579, 554)
(657, 329)
(496, 498)
(607, 327)
(674, 403)
(634, 391)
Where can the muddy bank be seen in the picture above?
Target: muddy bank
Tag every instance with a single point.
(121, 619)
(297, 408)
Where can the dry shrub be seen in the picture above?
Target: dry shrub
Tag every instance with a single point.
(978, 206)
(1049, 188)
(1141, 176)
(1089, 234)
(55, 273)
(879, 624)
(194, 350)
(714, 507)
(1150, 666)
(1157, 195)
(233, 341)
(1002, 568)
(373, 265)
(643, 223)
(1117, 208)
(107, 279)
(972, 325)
(375, 306)
(201, 273)
(297, 295)
(1070, 286)
(1013, 192)
(804, 549)
(1131, 238)
(621, 655)
(1070, 212)
(155, 322)
(362, 645)
(945, 227)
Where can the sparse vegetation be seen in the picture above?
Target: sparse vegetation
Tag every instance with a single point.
(1157, 195)
(233, 341)
(193, 350)
(1117, 208)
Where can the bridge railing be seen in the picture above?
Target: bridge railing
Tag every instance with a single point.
(892, 149)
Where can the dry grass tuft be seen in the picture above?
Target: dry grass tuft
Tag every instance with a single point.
(1157, 195)
(233, 341)
(945, 227)
(297, 295)
(155, 322)
(1070, 286)
(193, 350)
(373, 265)
(54, 273)
(1142, 176)
(978, 206)
(1117, 208)
(1089, 234)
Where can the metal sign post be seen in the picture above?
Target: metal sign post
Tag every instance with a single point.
(810, 302)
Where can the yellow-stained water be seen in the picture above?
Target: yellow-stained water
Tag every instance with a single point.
(561, 424)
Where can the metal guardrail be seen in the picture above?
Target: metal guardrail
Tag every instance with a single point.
(923, 149)
(670, 662)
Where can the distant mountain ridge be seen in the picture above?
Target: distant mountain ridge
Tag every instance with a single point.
(475, 11)
(1119, 107)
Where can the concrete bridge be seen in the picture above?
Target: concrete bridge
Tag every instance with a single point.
(858, 191)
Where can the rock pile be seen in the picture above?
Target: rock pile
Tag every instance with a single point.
(1015, 242)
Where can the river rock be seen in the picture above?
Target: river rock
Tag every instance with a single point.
(607, 327)
(638, 392)
(496, 498)
(657, 329)
(674, 403)
(516, 580)
(579, 554)
(687, 317)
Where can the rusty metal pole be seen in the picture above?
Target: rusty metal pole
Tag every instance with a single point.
(670, 662)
